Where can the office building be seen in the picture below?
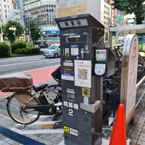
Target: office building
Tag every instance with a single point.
(100, 9)
(6, 10)
(41, 11)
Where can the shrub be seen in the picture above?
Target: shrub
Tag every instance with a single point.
(27, 51)
(18, 45)
(4, 50)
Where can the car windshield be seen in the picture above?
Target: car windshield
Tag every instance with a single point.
(53, 47)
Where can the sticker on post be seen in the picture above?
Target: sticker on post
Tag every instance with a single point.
(86, 100)
(83, 73)
(70, 94)
(100, 69)
(74, 132)
(74, 51)
(86, 92)
(68, 64)
(66, 130)
(67, 77)
(101, 55)
(71, 112)
(66, 52)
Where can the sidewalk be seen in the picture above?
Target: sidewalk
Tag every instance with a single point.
(46, 136)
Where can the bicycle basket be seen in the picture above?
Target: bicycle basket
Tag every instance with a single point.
(15, 83)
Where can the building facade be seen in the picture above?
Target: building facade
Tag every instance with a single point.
(117, 17)
(41, 11)
(100, 9)
(7, 8)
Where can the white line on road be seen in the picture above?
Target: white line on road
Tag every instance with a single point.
(23, 63)
(39, 131)
(35, 69)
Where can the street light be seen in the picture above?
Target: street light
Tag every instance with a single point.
(13, 29)
(1, 32)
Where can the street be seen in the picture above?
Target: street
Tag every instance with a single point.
(19, 64)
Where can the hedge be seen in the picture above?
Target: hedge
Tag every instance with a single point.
(18, 45)
(27, 51)
(5, 50)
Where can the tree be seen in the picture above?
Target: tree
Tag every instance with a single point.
(34, 30)
(132, 6)
(12, 30)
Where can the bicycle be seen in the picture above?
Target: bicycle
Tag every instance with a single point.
(26, 108)
(26, 105)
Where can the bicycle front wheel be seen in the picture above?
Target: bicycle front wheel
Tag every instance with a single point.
(17, 112)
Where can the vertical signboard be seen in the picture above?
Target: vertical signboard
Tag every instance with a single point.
(129, 74)
(81, 87)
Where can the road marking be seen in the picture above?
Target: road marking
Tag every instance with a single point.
(24, 63)
(38, 131)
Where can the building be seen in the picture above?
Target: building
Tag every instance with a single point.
(117, 17)
(100, 9)
(6, 10)
(41, 11)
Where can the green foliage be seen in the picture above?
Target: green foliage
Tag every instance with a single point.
(27, 51)
(121, 4)
(18, 45)
(4, 50)
(34, 29)
(24, 48)
(9, 31)
(132, 6)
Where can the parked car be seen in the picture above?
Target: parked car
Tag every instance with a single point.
(52, 51)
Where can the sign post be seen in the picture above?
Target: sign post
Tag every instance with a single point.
(83, 63)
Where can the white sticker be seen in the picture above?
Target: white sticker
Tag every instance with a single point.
(86, 100)
(76, 106)
(101, 55)
(65, 104)
(70, 112)
(70, 105)
(73, 132)
(68, 64)
(83, 73)
(67, 52)
(71, 91)
(100, 69)
(74, 51)
(67, 77)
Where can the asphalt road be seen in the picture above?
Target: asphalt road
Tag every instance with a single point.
(18, 64)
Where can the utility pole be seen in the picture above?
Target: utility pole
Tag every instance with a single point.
(1, 31)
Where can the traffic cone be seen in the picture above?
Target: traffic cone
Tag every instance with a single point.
(118, 136)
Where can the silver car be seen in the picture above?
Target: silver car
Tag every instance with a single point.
(52, 51)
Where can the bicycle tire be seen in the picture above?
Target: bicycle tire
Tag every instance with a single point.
(17, 120)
